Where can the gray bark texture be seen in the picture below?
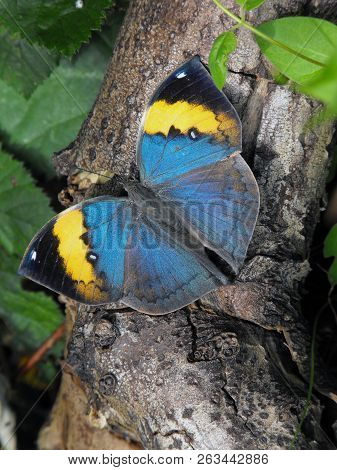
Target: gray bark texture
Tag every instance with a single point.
(231, 370)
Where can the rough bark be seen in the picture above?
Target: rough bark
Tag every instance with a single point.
(231, 370)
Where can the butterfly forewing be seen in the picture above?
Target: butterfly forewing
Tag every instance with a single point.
(189, 123)
(80, 252)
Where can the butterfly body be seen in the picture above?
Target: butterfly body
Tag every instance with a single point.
(195, 192)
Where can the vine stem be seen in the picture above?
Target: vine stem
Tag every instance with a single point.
(312, 369)
(267, 38)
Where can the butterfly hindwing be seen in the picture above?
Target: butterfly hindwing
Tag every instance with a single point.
(160, 275)
(221, 202)
(189, 123)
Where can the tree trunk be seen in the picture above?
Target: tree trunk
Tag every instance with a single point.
(231, 370)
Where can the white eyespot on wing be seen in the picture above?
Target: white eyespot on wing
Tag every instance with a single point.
(181, 75)
(193, 135)
(92, 256)
(33, 256)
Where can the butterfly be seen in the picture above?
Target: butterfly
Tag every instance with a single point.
(196, 195)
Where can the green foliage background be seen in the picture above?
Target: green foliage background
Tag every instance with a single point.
(302, 50)
(50, 74)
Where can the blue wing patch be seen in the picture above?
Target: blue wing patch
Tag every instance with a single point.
(107, 236)
(179, 155)
(104, 250)
(161, 276)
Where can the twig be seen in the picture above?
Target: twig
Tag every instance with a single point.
(41, 351)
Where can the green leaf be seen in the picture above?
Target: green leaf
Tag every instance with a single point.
(13, 107)
(280, 79)
(250, 4)
(24, 208)
(330, 249)
(22, 66)
(323, 84)
(32, 316)
(218, 57)
(55, 113)
(56, 24)
(311, 37)
(111, 28)
(51, 118)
